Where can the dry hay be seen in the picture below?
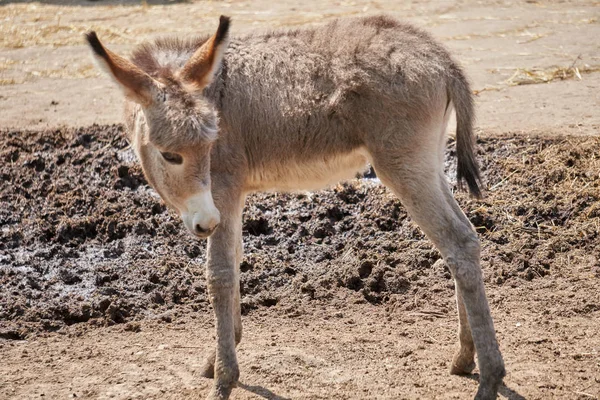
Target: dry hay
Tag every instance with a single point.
(14, 72)
(56, 35)
(26, 25)
(7, 81)
(79, 72)
(526, 76)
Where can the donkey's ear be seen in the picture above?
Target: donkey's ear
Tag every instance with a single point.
(137, 84)
(200, 69)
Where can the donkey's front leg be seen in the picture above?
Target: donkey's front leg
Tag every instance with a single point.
(208, 370)
(223, 282)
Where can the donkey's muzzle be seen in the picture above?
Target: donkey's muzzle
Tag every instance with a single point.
(201, 217)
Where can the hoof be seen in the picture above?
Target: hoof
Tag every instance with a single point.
(208, 369)
(487, 393)
(489, 384)
(221, 391)
(462, 369)
(462, 365)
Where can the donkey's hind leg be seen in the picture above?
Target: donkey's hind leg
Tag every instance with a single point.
(417, 178)
(463, 362)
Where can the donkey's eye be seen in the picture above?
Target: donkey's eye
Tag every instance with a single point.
(172, 158)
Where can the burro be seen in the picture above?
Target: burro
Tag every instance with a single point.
(213, 119)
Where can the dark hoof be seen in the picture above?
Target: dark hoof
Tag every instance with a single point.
(487, 393)
(462, 369)
(208, 370)
(488, 387)
(462, 364)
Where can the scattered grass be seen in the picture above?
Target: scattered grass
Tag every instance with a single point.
(6, 64)
(486, 89)
(533, 38)
(519, 31)
(17, 36)
(5, 81)
(80, 72)
(525, 76)
(22, 72)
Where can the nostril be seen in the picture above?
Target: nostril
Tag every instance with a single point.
(200, 229)
(203, 231)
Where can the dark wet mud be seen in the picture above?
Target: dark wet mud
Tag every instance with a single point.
(83, 239)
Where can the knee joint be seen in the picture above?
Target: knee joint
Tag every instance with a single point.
(470, 244)
(464, 261)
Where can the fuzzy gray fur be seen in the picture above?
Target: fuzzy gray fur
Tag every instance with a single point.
(303, 108)
(326, 88)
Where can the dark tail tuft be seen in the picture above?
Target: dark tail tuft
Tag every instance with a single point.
(467, 169)
(223, 29)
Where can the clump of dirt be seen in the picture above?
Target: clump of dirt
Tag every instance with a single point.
(84, 239)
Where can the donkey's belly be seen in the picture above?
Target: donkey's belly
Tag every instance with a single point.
(309, 175)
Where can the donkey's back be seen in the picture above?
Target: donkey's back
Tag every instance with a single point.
(374, 62)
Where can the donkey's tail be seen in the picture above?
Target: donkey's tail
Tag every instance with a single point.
(467, 169)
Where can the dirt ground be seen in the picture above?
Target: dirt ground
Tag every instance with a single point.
(47, 77)
(102, 292)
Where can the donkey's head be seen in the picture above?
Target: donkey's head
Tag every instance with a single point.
(177, 127)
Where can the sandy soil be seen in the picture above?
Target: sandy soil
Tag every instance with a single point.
(359, 352)
(102, 293)
(48, 79)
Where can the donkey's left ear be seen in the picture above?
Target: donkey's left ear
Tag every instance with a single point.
(201, 68)
(137, 84)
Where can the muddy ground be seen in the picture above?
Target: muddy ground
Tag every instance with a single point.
(85, 243)
(85, 239)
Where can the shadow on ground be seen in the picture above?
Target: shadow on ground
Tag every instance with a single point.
(261, 391)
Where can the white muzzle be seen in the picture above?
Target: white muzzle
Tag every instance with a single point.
(201, 217)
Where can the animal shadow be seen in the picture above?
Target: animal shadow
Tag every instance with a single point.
(261, 391)
(503, 390)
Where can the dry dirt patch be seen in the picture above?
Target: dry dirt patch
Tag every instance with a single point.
(47, 78)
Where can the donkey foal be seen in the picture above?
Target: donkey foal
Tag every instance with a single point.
(212, 120)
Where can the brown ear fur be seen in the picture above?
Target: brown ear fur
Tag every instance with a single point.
(202, 66)
(137, 84)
